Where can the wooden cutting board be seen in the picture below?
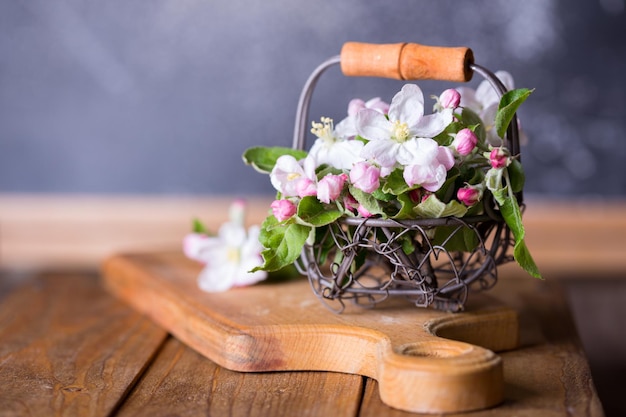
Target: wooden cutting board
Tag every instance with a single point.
(424, 360)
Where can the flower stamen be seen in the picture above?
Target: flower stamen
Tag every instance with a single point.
(324, 130)
(400, 131)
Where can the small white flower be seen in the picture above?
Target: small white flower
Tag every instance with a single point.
(332, 148)
(228, 257)
(407, 122)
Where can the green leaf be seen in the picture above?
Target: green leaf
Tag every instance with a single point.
(368, 201)
(513, 217)
(463, 240)
(432, 207)
(395, 183)
(285, 243)
(516, 175)
(525, 260)
(314, 213)
(446, 137)
(264, 158)
(406, 207)
(380, 195)
(509, 104)
(199, 227)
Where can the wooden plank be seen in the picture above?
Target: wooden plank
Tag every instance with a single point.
(547, 376)
(181, 382)
(284, 327)
(69, 348)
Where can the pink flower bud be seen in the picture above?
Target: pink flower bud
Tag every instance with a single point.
(329, 188)
(363, 212)
(350, 202)
(469, 195)
(306, 187)
(283, 209)
(450, 99)
(465, 141)
(365, 177)
(499, 158)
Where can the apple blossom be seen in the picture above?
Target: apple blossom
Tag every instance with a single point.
(329, 188)
(227, 257)
(333, 148)
(306, 187)
(449, 99)
(406, 122)
(426, 164)
(288, 173)
(465, 141)
(350, 203)
(469, 194)
(283, 209)
(365, 176)
(499, 158)
(347, 127)
(363, 212)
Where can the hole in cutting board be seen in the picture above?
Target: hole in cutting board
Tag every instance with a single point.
(434, 349)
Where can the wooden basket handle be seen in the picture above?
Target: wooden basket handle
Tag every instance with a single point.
(407, 61)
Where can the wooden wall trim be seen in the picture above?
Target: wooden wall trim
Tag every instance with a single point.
(574, 238)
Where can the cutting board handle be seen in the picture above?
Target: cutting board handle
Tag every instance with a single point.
(407, 61)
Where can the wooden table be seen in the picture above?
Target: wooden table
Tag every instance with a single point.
(67, 347)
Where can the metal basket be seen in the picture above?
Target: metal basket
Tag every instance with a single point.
(367, 263)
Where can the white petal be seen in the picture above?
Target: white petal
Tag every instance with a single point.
(199, 247)
(217, 277)
(346, 129)
(373, 125)
(407, 105)
(345, 154)
(418, 151)
(382, 151)
(487, 95)
(468, 99)
(433, 124)
(232, 234)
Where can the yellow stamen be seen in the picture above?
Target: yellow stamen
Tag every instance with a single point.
(233, 255)
(325, 129)
(400, 131)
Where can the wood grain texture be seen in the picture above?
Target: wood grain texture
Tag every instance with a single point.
(406, 61)
(181, 382)
(68, 348)
(284, 327)
(547, 376)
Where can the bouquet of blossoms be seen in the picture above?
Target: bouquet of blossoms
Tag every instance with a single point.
(393, 161)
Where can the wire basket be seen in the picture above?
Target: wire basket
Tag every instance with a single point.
(366, 263)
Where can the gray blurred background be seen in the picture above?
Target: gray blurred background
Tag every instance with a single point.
(163, 96)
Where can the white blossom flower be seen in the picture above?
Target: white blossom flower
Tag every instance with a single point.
(333, 148)
(388, 138)
(347, 127)
(288, 172)
(227, 257)
(426, 164)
